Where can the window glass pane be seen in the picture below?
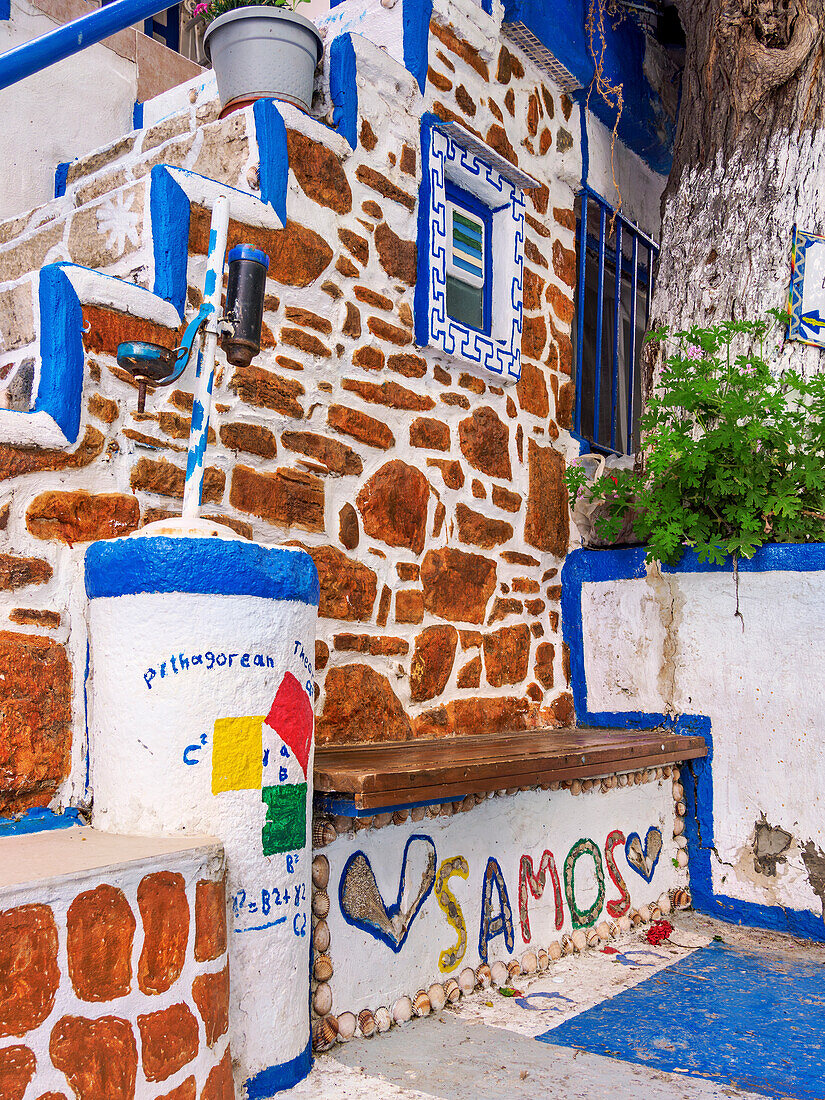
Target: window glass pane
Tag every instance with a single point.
(465, 303)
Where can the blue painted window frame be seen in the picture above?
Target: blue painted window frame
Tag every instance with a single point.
(596, 244)
(472, 205)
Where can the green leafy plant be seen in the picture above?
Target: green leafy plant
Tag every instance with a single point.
(734, 454)
(211, 9)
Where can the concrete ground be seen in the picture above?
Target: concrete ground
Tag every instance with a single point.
(719, 1011)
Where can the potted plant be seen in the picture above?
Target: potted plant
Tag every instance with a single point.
(260, 49)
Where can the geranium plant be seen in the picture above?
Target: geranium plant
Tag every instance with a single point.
(213, 8)
(734, 453)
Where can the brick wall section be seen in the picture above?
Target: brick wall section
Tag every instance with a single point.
(99, 1024)
(430, 497)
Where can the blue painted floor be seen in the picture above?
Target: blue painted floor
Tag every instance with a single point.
(725, 1014)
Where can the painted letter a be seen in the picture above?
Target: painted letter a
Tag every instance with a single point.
(502, 923)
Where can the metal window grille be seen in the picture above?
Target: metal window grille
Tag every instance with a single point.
(615, 286)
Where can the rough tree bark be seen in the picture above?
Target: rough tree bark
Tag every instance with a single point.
(749, 161)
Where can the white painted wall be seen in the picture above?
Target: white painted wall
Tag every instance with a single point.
(671, 642)
(64, 112)
(641, 188)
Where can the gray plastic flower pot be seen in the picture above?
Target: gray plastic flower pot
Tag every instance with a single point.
(262, 52)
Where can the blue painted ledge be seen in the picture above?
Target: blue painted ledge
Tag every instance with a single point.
(39, 821)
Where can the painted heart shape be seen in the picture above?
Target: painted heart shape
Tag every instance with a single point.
(363, 906)
(643, 859)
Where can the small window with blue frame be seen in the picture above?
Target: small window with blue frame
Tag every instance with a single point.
(469, 224)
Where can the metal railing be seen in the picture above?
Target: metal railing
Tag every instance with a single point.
(632, 284)
(70, 39)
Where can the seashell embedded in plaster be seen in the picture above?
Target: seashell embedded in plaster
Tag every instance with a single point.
(483, 976)
(567, 947)
(421, 1003)
(682, 857)
(320, 904)
(366, 1023)
(418, 813)
(323, 833)
(452, 990)
(322, 968)
(593, 938)
(644, 913)
(678, 792)
(554, 950)
(322, 999)
(320, 872)
(513, 969)
(529, 962)
(325, 1033)
(542, 959)
(467, 980)
(678, 826)
(438, 998)
(346, 1026)
(681, 809)
(402, 1010)
(498, 974)
(383, 1019)
(603, 929)
(624, 922)
(664, 904)
(579, 939)
(320, 936)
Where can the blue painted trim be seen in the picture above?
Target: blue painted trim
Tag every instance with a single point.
(40, 821)
(345, 807)
(125, 567)
(73, 37)
(5, 9)
(421, 300)
(248, 252)
(460, 197)
(61, 351)
(270, 132)
(278, 1078)
(415, 22)
(343, 88)
(61, 175)
(584, 566)
(137, 116)
(169, 208)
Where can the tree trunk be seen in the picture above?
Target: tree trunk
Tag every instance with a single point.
(749, 162)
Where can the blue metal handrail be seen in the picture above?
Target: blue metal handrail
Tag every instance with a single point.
(70, 39)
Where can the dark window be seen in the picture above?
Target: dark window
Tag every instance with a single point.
(611, 318)
(469, 266)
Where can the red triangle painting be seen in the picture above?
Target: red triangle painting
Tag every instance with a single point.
(291, 717)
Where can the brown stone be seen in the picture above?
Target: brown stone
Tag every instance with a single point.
(533, 337)
(409, 606)
(531, 390)
(17, 1066)
(393, 505)
(497, 138)
(543, 664)
(297, 254)
(564, 346)
(507, 655)
(455, 399)
(520, 443)
(389, 393)
(533, 108)
(386, 596)
(465, 100)
(565, 217)
(360, 705)
(385, 331)
(514, 557)
(451, 471)
(561, 303)
(554, 592)
(29, 973)
(561, 712)
(364, 428)
(20, 572)
(540, 197)
(372, 298)
(411, 366)
(534, 607)
(210, 993)
(286, 498)
(346, 267)
(321, 655)
(169, 1040)
(564, 140)
(504, 499)
(484, 441)
(307, 319)
(82, 517)
(495, 109)
(546, 524)
(564, 263)
(470, 382)
(457, 586)
(219, 1084)
(368, 138)
(533, 287)
(443, 83)
(348, 588)
(480, 530)
(187, 1091)
(167, 479)
(545, 141)
(432, 434)
(368, 357)
(348, 530)
(99, 1057)
(15, 461)
(474, 716)
(100, 931)
(432, 662)
(352, 323)
(408, 160)
(398, 257)
(565, 403)
(376, 182)
(250, 438)
(533, 254)
(304, 341)
(470, 639)
(103, 408)
(470, 675)
(525, 584)
(502, 607)
(510, 103)
(372, 209)
(336, 456)
(30, 616)
(438, 519)
(357, 245)
(461, 48)
(164, 911)
(319, 172)
(179, 427)
(210, 919)
(440, 375)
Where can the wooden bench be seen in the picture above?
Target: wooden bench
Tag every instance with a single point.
(373, 776)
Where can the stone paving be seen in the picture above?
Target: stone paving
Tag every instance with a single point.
(719, 1011)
